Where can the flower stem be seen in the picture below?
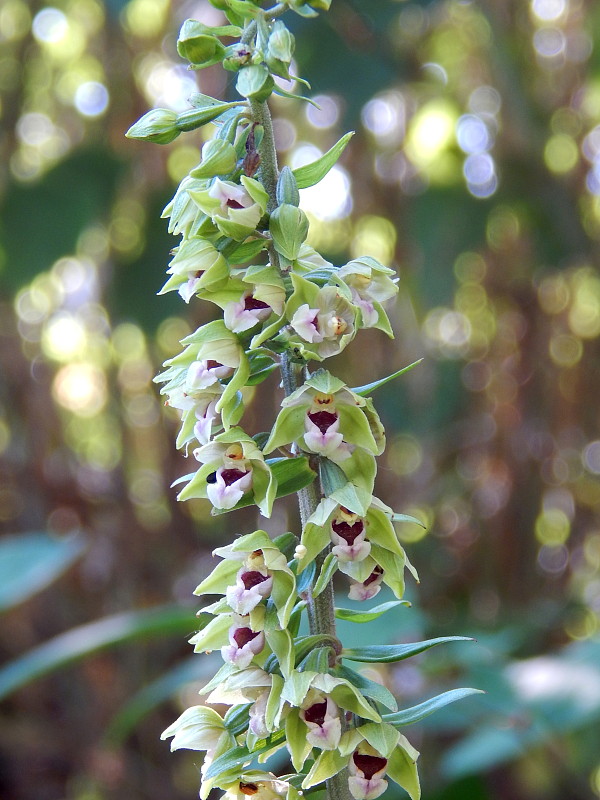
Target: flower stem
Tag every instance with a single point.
(321, 609)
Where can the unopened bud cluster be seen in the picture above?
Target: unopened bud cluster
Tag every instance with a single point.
(243, 247)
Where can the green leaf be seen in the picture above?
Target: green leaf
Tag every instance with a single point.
(351, 615)
(314, 172)
(416, 713)
(329, 568)
(291, 474)
(85, 640)
(238, 756)
(31, 561)
(316, 661)
(381, 653)
(368, 388)
(372, 689)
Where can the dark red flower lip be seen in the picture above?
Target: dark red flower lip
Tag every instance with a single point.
(369, 765)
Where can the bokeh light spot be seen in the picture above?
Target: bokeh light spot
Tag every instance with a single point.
(50, 25)
(91, 98)
(561, 153)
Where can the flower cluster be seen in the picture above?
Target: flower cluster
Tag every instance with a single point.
(243, 247)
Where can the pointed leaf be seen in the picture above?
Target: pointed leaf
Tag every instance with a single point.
(351, 615)
(31, 561)
(416, 713)
(382, 653)
(328, 570)
(312, 173)
(368, 388)
(372, 689)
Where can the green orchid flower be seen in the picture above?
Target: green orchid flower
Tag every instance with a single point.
(233, 466)
(235, 209)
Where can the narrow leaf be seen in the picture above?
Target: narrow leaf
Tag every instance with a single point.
(85, 640)
(328, 570)
(314, 172)
(31, 561)
(371, 689)
(368, 388)
(416, 713)
(380, 653)
(351, 615)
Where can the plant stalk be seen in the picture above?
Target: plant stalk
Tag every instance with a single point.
(321, 609)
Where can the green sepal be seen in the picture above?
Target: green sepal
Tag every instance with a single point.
(328, 570)
(221, 675)
(351, 615)
(241, 253)
(328, 764)
(408, 716)
(255, 82)
(275, 702)
(338, 487)
(295, 736)
(368, 388)
(385, 653)
(244, 9)
(371, 689)
(289, 228)
(222, 576)
(279, 50)
(282, 646)
(346, 695)
(381, 736)
(402, 767)
(312, 173)
(296, 687)
(218, 158)
(213, 636)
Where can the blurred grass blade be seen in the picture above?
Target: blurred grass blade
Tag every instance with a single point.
(31, 561)
(153, 694)
(85, 640)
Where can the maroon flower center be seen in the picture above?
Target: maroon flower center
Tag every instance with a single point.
(369, 765)
(377, 572)
(252, 304)
(323, 420)
(348, 532)
(316, 713)
(244, 635)
(210, 364)
(248, 788)
(233, 204)
(231, 476)
(253, 578)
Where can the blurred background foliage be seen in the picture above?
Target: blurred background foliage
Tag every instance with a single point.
(475, 170)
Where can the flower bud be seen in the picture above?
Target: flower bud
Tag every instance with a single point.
(156, 126)
(198, 45)
(280, 49)
(255, 82)
(287, 188)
